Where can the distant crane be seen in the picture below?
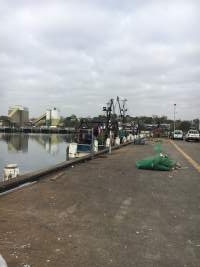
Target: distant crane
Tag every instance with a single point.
(111, 118)
(122, 108)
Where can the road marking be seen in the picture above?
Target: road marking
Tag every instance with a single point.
(189, 159)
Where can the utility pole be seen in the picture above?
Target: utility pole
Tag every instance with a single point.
(174, 116)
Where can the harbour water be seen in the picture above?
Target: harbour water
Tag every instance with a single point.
(32, 151)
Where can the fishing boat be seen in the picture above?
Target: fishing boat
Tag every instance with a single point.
(83, 150)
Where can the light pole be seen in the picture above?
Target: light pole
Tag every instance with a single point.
(174, 116)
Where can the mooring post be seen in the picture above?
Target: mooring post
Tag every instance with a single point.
(110, 145)
(92, 148)
(67, 152)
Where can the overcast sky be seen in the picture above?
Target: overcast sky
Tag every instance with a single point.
(76, 55)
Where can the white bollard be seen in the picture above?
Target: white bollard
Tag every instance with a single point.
(2, 262)
(95, 146)
(72, 150)
(131, 137)
(10, 171)
(108, 142)
(67, 152)
(117, 141)
(128, 138)
(124, 140)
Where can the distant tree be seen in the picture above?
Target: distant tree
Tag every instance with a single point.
(71, 121)
(148, 120)
(128, 119)
(154, 119)
(73, 117)
(163, 119)
(195, 123)
(99, 118)
(184, 125)
(61, 122)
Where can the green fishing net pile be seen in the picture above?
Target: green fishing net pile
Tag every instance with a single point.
(159, 162)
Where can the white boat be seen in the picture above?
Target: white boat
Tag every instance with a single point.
(10, 171)
(83, 150)
(76, 150)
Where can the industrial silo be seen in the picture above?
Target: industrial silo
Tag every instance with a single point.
(52, 117)
(18, 115)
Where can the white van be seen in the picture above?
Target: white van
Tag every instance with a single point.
(192, 135)
(178, 134)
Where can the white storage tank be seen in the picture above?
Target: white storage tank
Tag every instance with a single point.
(53, 117)
(55, 114)
(48, 114)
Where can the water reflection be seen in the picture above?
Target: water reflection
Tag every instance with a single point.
(32, 151)
(20, 142)
(17, 143)
(50, 142)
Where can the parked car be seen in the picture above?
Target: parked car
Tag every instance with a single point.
(192, 135)
(177, 134)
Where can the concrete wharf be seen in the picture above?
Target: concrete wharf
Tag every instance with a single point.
(105, 212)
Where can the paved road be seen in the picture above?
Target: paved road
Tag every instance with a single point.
(106, 212)
(191, 148)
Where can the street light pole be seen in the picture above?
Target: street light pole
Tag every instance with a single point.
(174, 116)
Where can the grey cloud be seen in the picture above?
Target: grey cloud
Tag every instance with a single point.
(78, 54)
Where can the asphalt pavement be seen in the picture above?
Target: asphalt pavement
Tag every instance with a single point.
(191, 148)
(106, 212)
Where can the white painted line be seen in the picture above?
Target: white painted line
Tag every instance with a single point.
(188, 158)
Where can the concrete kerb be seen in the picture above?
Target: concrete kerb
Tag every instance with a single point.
(40, 174)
